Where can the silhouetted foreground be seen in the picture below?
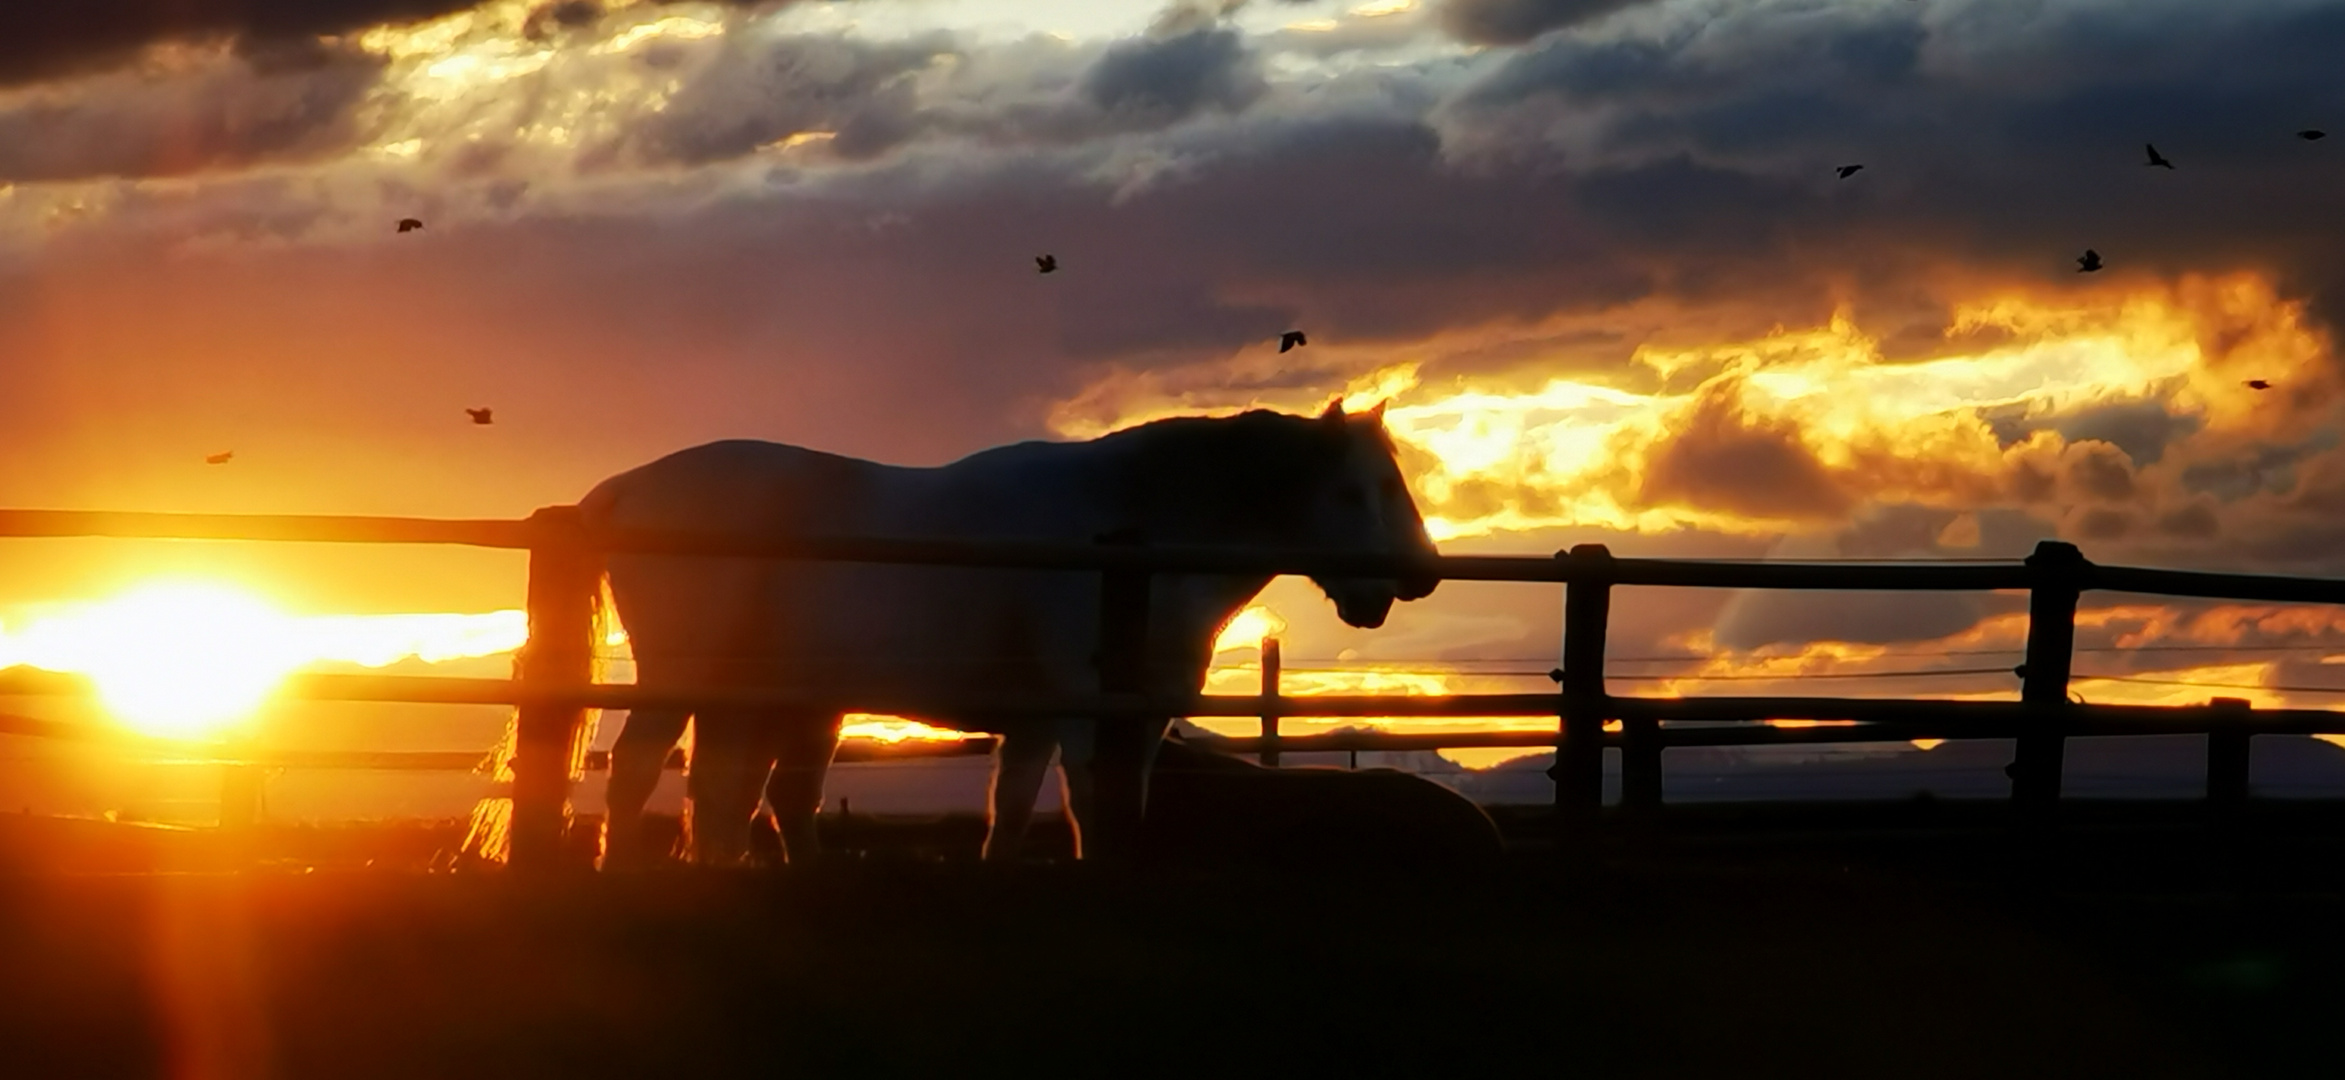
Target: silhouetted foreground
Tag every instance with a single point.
(1748, 943)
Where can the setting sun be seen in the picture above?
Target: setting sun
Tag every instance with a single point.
(190, 659)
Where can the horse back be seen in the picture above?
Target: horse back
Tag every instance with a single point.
(843, 624)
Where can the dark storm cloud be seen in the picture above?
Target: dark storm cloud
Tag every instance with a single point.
(44, 40)
(2015, 146)
(1757, 619)
(1157, 81)
(743, 94)
(2142, 429)
(235, 112)
(1512, 22)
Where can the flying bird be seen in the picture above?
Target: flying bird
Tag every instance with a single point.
(1290, 339)
(2157, 159)
(408, 224)
(2088, 262)
(220, 458)
(2258, 384)
(1046, 263)
(2311, 134)
(1847, 171)
(481, 416)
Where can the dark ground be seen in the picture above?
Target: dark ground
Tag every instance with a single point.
(1904, 940)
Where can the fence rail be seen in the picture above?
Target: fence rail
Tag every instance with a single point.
(544, 529)
(553, 687)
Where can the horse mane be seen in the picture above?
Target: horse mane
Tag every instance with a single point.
(1242, 473)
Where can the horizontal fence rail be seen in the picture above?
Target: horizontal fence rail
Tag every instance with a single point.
(1008, 554)
(1945, 717)
(552, 687)
(304, 528)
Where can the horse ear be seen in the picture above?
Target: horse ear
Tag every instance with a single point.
(1375, 413)
(1334, 412)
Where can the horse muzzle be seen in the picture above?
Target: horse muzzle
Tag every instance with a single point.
(1366, 611)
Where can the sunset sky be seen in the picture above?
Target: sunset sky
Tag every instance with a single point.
(1594, 252)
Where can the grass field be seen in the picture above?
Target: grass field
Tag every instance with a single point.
(1747, 942)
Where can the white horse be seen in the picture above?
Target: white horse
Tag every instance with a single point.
(841, 631)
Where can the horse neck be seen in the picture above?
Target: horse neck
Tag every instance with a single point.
(1188, 611)
(1197, 484)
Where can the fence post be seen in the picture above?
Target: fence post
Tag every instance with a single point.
(1270, 698)
(2060, 574)
(1579, 754)
(558, 656)
(240, 794)
(1122, 740)
(2227, 745)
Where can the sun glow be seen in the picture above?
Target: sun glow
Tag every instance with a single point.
(188, 659)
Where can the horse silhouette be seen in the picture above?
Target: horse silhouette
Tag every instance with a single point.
(849, 632)
(1211, 808)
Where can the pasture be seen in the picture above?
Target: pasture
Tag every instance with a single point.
(1736, 941)
(2035, 937)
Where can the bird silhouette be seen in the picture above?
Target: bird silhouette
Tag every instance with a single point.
(2311, 134)
(1847, 171)
(220, 458)
(2088, 262)
(1046, 263)
(481, 416)
(409, 224)
(2157, 160)
(1290, 339)
(2258, 384)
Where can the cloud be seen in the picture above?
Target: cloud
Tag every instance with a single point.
(1154, 81)
(224, 111)
(1719, 457)
(860, 99)
(2004, 146)
(2097, 471)
(51, 39)
(739, 95)
(1512, 22)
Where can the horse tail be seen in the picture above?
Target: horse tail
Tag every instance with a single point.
(488, 835)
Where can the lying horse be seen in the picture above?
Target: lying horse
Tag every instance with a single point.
(1212, 809)
(841, 632)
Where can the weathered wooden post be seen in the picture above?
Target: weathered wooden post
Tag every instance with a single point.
(1579, 753)
(558, 658)
(240, 790)
(2060, 572)
(1118, 801)
(1270, 672)
(2227, 746)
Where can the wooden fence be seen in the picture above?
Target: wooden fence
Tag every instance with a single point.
(553, 686)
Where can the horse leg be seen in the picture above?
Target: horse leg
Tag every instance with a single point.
(636, 760)
(802, 748)
(1019, 762)
(729, 767)
(1104, 766)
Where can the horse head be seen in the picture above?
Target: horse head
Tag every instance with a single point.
(1362, 503)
